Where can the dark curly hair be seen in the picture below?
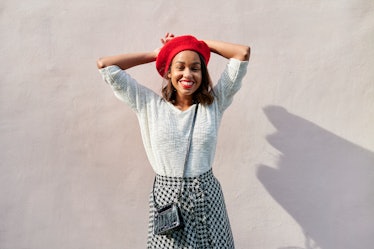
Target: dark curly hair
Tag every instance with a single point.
(203, 95)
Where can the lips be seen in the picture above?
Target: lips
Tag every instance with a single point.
(186, 84)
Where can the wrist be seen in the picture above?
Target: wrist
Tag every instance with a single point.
(153, 55)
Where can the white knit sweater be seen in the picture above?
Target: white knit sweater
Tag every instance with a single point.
(165, 129)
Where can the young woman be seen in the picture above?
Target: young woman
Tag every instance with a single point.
(183, 163)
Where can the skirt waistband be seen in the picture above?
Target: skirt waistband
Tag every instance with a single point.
(176, 181)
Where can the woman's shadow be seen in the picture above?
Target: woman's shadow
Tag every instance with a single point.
(323, 181)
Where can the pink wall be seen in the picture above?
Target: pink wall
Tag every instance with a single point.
(296, 148)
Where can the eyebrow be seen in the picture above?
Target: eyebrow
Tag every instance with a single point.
(182, 62)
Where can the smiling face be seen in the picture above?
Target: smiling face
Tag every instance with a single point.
(185, 73)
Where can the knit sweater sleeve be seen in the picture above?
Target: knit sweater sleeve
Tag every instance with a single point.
(230, 82)
(127, 89)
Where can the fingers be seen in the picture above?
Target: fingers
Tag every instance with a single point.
(168, 37)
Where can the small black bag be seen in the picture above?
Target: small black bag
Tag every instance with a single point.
(167, 220)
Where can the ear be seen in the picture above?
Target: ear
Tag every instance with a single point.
(169, 74)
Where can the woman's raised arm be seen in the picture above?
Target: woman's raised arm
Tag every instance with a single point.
(229, 50)
(126, 61)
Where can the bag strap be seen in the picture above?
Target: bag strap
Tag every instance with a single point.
(185, 161)
(189, 141)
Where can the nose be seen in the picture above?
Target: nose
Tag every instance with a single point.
(187, 73)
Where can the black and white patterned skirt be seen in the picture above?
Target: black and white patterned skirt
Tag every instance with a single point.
(206, 224)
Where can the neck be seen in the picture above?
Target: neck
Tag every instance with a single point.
(183, 103)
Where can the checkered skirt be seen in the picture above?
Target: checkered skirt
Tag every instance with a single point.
(206, 224)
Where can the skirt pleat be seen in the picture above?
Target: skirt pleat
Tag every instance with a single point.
(206, 223)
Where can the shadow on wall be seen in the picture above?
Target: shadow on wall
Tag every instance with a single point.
(323, 181)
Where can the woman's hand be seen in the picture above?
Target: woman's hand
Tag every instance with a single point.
(166, 39)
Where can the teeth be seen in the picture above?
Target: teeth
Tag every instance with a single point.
(188, 83)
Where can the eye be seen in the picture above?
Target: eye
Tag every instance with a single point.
(195, 67)
(179, 67)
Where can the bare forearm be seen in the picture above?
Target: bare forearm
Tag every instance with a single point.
(125, 61)
(229, 50)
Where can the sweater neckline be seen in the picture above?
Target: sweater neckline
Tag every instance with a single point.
(179, 111)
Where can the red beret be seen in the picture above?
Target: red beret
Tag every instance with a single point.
(176, 45)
